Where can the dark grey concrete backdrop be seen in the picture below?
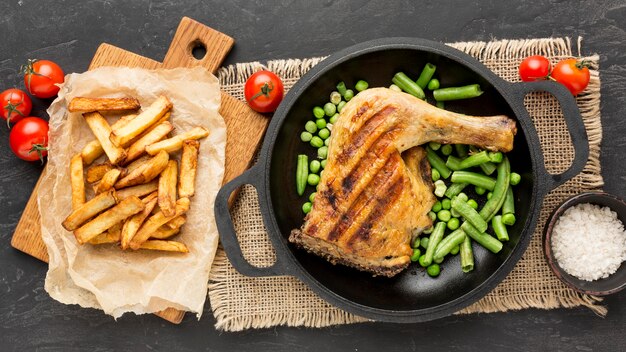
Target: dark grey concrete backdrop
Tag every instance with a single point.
(69, 32)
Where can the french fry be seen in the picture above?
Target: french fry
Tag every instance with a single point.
(167, 188)
(82, 104)
(164, 232)
(169, 246)
(176, 222)
(124, 209)
(96, 172)
(134, 222)
(155, 221)
(175, 143)
(154, 135)
(188, 168)
(163, 118)
(142, 122)
(112, 235)
(102, 131)
(88, 210)
(135, 164)
(93, 150)
(77, 181)
(146, 172)
(107, 181)
(138, 191)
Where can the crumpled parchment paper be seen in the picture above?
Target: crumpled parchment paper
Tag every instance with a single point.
(104, 276)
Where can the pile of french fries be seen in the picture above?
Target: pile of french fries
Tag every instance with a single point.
(141, 194)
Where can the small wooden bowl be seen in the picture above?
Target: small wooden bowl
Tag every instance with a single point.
(601, 287)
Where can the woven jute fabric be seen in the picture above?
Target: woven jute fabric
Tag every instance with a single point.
(240, 302)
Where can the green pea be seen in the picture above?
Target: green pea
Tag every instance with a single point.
(310, 127)
(323, 163)
(324, 133)
(395, 88)
(433, 84)
(322, 152)
(446, 149)
(489, 195)
(453, 224)
(314, 166)
(421, 260)
(428, 231)
(333, 119)
(306, 207)
(330, 109)
(438, 260)
(312, 197)
(435, 174)
(432, 215)
(318, 112)
(416, 255)
(436, 207)
(434, 145)
(320, 123)
(335, 97)
(306, 136)
(361, 85)
(455, 250)
(424, 242)
(454, 213)
(313, 179)
(316, 142)
(327, 141)
(515, 178)
(446, 204)
(443, 215)
(479, 190)
(433, 270)
(349, 95)
(472, 203)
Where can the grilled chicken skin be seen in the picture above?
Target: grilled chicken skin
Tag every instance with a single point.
(375, 192)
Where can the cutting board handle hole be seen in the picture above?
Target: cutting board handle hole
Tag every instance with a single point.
(198, 49)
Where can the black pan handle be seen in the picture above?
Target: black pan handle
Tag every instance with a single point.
(575, 126)
(226, 229)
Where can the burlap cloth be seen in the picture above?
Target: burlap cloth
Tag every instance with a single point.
(240, 302)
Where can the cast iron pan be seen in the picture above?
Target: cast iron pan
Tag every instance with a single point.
(411, 296)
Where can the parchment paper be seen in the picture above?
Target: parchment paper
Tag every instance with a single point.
(104, 276)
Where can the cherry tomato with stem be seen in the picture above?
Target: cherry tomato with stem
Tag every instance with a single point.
(29, 139)
(41, 77)
(534, 68)
(264, 91)
(573, 74)
(16, 104)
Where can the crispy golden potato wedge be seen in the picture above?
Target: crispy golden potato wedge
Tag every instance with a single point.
(154, 135)
(102, 131)
(96, 172)
(146, 172)
(123, 210)
(139, 190)
(89, 209)
(83, 104)
(134, 222)
(93, 150)
(107, 181)
(155, 221)
(142, 122)
(188, 168)
(77, 181)
(169, 246)
(167, 188)
(175, 143)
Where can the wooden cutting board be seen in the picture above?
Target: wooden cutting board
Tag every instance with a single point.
(245, 128)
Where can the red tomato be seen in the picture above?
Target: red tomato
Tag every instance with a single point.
(16, 104)
(29, 139)
(534, 68)
(40, 77)
(264, 91)
(573, 74)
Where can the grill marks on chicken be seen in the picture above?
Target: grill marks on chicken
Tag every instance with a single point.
(371, 198)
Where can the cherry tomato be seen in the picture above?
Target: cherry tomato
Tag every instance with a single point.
(573, 74)
(40, 77)
(16, 104)
(264, 91)
(534, 68)
(29, 139)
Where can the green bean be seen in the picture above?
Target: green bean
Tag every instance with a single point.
(316, 142)
(434, 145)
(488, 167)
(433, 270)
(462, 196)
(306, 207)
(453, 223)
(436, 207)
(433, 84)
(469, 214)
(407, 85)
(467, 255)
(456, 93)
(508, 207)
(474, 160)
(314, 166)
(472, 203)
(515, 178)
(444, 215)
(453, 163)
(496, 157)
(341, 88)
(433, 241)
(361, 85)
(461, 150)
(440, 188)
(313, 179)
(452, 240)
(499, 191)
(499, 228)
(508, 219)
(322, 152)
(310, 127)
(318, 112)
(330, 109)
(349, 95)
(302, 172)
(426, 75)
(424, 241)
(446, 204)
(455, 250)
(482, 238)
(395, 88)
(305, 136)
(437, 261)
(435, 175)
(479, 190)
(446, 149)
(324, 133)
(437, 163)
(320, 123)
(323, 162)
(416, 255)
(473, 178)
(455, 189)
(440, 105)
(335, 98)
(333, 119)
(312, 197)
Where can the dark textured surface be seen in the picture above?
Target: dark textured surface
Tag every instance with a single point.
(69, 33)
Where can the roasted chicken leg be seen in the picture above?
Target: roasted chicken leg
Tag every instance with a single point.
(373, 198)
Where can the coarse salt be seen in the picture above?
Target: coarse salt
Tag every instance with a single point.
(589, 241)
